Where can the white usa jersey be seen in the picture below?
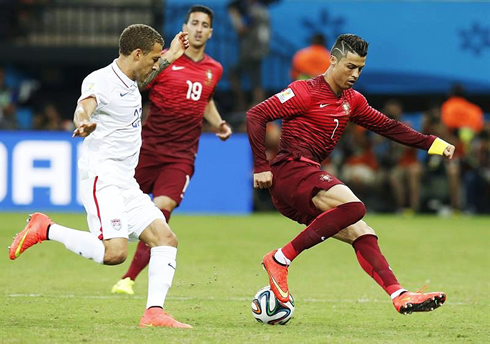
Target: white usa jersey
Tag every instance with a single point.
(111, 151)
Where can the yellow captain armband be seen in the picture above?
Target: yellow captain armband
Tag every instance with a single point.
(438, 147)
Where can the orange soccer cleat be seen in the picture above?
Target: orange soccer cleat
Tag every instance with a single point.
(157, 317)
(35, 231)
(409, 302)
(278, 276)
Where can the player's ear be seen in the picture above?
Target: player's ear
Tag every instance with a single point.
(137, 54)
(333, 60)
(210, 33)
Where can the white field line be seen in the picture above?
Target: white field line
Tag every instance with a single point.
(180, 298)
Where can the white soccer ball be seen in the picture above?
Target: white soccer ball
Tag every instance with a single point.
(269, 310)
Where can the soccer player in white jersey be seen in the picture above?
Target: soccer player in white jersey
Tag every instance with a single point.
(108, 116)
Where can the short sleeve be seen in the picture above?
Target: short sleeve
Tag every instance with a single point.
(219, 73)
(97, 88)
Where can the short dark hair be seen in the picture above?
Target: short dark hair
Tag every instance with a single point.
(138, 36)
(200, 8)
(349, 42)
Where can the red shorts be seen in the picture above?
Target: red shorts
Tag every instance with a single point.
(163, 178)
(294, 184)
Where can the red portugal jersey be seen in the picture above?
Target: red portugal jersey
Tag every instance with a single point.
(178, 97)
(313, 119)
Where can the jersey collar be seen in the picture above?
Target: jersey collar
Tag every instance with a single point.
(123, 77)
(330, 88)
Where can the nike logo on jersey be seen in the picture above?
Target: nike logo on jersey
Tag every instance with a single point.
(173, 267)
(177, 67)
(123, 94)
(323, 105)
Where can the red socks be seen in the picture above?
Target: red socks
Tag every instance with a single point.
(367, 250)
(324, 226)
(374, 263)
(142, 255)
(140, 261)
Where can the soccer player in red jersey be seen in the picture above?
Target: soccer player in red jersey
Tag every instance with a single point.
(314, 114)
(180, 97)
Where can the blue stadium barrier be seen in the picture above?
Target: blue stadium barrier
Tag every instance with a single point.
(38, 173)
(415, 46)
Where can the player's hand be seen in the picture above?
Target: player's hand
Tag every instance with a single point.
(263, 180)
(84, 129)
(224, 131)
(178, 45)
(449, 151)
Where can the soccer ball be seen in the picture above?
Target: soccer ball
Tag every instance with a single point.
(269, 310)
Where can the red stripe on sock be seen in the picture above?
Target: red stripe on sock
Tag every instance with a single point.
(374, 263)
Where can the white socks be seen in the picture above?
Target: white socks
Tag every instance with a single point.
(161, 272)
(82, 243)
(398, 292)
(281, 258)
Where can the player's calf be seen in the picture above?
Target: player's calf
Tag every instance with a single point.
(116, 251)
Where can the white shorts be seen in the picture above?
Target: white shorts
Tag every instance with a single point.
(115, 212)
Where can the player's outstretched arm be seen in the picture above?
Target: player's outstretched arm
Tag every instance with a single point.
(441, 147)
(177, 48)
(212, 115)
(83, 113)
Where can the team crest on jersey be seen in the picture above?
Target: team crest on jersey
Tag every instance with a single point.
(209, 77)
(325, 178)
(285, 95)
(346, 108)
(116, 224)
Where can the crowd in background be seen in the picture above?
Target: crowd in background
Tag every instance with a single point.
(389, 177)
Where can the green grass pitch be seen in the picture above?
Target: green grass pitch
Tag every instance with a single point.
(49, 295)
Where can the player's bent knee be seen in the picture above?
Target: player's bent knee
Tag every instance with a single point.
(168, 238)
(165, 203)
(159, 236)
(356, 210)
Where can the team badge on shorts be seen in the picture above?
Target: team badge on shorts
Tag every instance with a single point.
(325, 178)
(116, 224)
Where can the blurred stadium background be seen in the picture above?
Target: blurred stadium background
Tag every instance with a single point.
(419, 51)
